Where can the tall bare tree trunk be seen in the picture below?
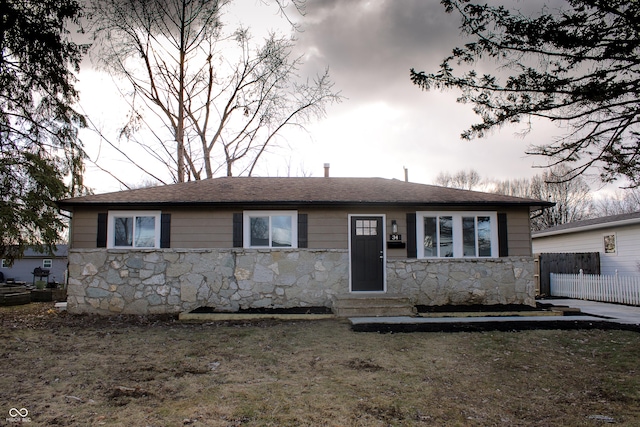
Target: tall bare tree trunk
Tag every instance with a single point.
(180, 124)
(203, 84)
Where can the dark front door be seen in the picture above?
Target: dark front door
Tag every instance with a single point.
(367, 253)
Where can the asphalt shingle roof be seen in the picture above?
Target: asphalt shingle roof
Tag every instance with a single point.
(290, 191)
(591, 223)
(60, 252)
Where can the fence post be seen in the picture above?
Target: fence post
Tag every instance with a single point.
(581, 284)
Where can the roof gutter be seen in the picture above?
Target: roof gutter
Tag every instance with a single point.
(70, 206)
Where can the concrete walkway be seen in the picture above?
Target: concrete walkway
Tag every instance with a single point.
(617, 313)
(591, 315)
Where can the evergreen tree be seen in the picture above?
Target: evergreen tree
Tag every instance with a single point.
(578, 66)
(40, 154)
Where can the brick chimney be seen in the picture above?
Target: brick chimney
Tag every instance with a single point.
(326, 170)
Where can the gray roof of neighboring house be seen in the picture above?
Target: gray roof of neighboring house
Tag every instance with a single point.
(60, 252)
(295, 191)
(590, 224)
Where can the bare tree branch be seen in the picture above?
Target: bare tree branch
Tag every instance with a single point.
(219, 97)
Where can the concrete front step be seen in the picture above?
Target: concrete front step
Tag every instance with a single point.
(373, 306)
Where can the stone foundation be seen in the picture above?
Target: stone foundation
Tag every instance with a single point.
(173, 280)
(464, 281)
(178, 280)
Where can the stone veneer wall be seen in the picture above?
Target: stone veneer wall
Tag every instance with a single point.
(508, 280)
(177, 280)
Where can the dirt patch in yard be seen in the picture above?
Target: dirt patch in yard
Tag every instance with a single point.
(155, 371)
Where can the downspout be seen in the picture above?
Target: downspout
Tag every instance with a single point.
(70, 217)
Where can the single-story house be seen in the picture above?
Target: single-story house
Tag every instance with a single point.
(243, 242)
(53, 266)
(616, 238)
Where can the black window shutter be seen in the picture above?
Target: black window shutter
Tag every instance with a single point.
(302, 231)
(101, 239)
(165, 230)
(237, 230)
(503, 241)
(412, 246)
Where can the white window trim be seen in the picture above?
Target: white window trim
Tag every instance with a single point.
(4, 263)
(246, 228)
(50, 262)
(457, 232)
(604, 249)
(111, 228)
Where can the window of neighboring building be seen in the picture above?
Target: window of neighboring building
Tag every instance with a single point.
(270, 229)
(47, 263)
(5, 263)
(610, 244)
(457, 234)
(128, 229)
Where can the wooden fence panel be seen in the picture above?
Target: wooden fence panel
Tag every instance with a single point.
(566, 263)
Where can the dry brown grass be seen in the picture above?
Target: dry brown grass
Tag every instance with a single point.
(81, 370)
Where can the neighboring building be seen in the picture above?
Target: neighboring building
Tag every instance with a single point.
(23, 268)
(231, 243)
(616, 238)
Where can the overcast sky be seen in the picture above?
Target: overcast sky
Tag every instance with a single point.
(385, 122)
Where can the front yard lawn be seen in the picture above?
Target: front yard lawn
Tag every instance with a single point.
(135, 371)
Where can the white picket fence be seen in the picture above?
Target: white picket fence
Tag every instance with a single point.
(596, 287)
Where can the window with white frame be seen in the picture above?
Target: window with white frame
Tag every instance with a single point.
(457, 234)
(4, 263)
(129, 229)
(47, 263)
(270, 229)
